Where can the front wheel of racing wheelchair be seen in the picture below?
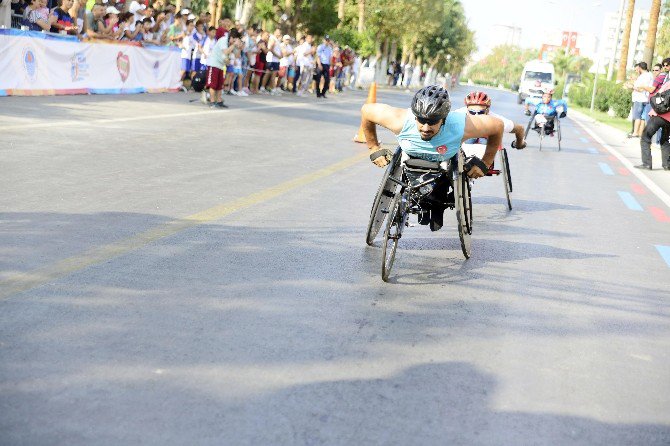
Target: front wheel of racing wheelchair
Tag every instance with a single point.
(408, 197)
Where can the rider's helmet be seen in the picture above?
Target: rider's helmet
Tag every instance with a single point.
(549, 91)
(478, 98)
(431, 103)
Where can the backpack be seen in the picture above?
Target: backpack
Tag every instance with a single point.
(199, 81)
(660, 102)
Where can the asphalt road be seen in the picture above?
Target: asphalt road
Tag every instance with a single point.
(171, 274)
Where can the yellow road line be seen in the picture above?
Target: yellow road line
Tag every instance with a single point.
(26, 281)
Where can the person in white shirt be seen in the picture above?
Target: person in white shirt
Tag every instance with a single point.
(305, 61)
(640, 98)
(286, 62)
(186, 46)
(250, 51)
(207, 46)
(272, 63)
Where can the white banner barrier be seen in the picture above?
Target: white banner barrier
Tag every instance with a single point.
(34, 63)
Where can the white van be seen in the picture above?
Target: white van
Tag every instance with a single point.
(536, 77)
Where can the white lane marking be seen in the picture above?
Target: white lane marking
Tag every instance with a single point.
(660, 193)
(163, 116)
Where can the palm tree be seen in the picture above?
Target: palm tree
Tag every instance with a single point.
(247, 11)
(340, 13)
(623, 62)
(650, 43)
(361, 16)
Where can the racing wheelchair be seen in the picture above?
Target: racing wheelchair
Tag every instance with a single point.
(404, 189)
(544, 123)
(504, 170)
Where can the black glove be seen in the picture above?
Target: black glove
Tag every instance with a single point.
(473, 161)
(562, 115)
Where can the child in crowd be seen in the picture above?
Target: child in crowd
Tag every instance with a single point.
(149, 36)
(139, 34)
(198, 39)
(186, 50)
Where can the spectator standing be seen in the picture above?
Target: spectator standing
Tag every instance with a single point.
(305, 61)
(176, 33)
(94, 23)
(187, 50)
(336, 69)
(250, 52)
(285, 63)
(216, 63)
(259, 67)
(640, 98)
(272, 63)
(38, 16)
(657, 122)
(64, 21)
(323, 54)
(198, 39)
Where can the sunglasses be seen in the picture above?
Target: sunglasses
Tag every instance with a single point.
(666, 65)
(423, 121)
(474, 112)
(656, 69)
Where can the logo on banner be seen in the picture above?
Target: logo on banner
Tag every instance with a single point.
(78, 67)
(123, 65)
(157, 69)
(30, 63)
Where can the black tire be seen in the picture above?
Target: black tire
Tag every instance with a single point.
(558, 128)
(392, 234)
(384, 195)
(519, 100)
(541, 136)
(530, 121)
(463, 203)
(507, 176)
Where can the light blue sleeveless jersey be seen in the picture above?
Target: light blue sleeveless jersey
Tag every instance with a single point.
(441, 147)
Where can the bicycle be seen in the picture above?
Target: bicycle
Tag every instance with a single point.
(404, 186)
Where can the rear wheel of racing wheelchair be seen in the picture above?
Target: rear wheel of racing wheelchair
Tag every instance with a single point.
(385, 193)
(463, 205)
(395, 223)
(507, 176)
(558, 132)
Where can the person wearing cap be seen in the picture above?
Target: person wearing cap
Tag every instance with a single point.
(111, 20)
(324, 53)
(137, 9)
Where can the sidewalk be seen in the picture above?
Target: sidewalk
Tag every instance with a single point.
(627, 151)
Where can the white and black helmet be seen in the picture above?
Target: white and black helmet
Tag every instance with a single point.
(431, 102)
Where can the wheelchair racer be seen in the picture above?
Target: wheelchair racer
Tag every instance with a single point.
(546, 107)
(479, 103)
(427, 130)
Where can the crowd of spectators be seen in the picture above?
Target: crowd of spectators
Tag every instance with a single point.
(229, 58)
(235, 60)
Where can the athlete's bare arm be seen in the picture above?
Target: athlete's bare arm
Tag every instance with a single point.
(519, 132)
(483, 126)
(389, 117)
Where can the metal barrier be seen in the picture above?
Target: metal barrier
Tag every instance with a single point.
(16, 21)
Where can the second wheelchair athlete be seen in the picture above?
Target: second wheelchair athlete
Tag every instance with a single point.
(427, 130)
